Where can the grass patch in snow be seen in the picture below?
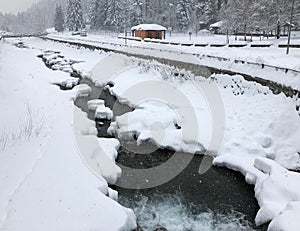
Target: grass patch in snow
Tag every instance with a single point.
(32, 126)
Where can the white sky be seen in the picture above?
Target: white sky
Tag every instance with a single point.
(15, 6)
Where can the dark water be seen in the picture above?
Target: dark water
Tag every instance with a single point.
(219, 199)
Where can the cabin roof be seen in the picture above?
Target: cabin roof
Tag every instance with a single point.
(149, 27)
(217, 24)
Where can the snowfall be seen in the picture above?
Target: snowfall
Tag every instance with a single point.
(53, 176)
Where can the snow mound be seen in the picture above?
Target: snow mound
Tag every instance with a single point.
(82, 90)
(103, 112)
(67, 83)
(239, 86)
(157, 122)
(93, 104)
(249, 129)
(110, 146)
(288, 219)
(275, 191)
(100, 159)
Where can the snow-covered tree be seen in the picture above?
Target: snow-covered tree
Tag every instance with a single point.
(93, 10)
(183, 13)
(239, 16)
(273, 14)
(136, 11)
(69, 16)
(74, 15)
(77, 15)
(59, 19)
(265, 15)
(116, 11)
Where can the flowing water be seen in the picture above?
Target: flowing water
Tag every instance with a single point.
(219, 199)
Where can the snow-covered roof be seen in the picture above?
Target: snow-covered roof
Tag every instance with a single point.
(217, 24)
(148, 27)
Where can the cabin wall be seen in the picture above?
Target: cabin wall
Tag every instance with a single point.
(148, 34)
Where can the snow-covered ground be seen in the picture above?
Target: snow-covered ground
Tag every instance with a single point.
(44, 183)
(209, 56)
(261, 130)
(244, 125)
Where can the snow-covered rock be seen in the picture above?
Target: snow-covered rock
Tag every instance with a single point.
(82, 90)
(157, 122)
(275, 191)
(93, 104)
(103, 112)
(287, 219)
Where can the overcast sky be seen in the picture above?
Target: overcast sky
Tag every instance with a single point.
(15, 6)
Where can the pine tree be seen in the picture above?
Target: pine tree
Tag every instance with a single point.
(69, 19)
(98, 11)
(183, 14)
(239, 16)
(116, 11)
(77, 15)
(136, 12)
(93, 12)
(59, 19)
(74, 15)
(210, 11)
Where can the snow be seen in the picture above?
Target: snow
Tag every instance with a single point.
(153, 118)
(44, 182)
(218, 24)
(51, 30)
(103, 112)
(276, 191)
(261, 132)
(287, 220)
(82, 90)
(148, 27)
(252, 57)
(260, 140)
(70, 83)
(97, 158)
(93, 104)
(110, 146)
(156, 122)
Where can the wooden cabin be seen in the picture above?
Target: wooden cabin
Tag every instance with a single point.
(152, 31)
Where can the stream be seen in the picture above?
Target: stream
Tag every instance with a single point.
(219, 199)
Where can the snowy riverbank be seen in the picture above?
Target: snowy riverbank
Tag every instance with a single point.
(245, 126)
(44, 182)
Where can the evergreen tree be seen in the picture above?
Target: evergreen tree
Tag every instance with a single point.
(98, 13)
(136, 12)
(239, 16)
(74, 15)
(59, 19)
(77, 15)
(116, 11)
(183, 14)
(93, 12)
(69, 19)
(211, 11)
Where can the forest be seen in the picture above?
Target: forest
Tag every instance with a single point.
(243, 16)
